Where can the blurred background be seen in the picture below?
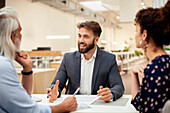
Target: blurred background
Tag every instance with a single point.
(49, 29)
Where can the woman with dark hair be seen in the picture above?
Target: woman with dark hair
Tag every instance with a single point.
(152, 32)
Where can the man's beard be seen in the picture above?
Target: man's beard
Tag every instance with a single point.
(88, 47)
(17, 44)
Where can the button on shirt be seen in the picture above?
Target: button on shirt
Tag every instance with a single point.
(87, 73)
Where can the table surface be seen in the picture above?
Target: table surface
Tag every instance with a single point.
(122, 105)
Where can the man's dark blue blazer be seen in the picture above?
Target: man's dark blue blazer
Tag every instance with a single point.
(105, 73)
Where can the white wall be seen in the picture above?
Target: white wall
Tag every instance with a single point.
(39, 20)
(109, 36)
(126, 32)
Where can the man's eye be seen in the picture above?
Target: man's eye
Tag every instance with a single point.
(86, 36)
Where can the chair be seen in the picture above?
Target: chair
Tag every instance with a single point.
(166, 108)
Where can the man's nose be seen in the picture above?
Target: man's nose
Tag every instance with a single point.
(81, 39)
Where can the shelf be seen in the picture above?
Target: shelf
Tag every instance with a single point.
(42, 59)
(126, 60)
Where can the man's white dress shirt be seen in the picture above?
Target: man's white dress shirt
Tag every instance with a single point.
(87, 67)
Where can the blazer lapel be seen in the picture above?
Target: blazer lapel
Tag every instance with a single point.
(78, 69)
(96, 68)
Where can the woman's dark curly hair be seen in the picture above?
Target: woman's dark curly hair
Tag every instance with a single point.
(157, 24)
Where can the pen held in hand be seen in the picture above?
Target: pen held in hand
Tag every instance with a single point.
(49, 92)
(76, 91)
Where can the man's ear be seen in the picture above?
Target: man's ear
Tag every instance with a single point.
(144, 35)
(96, 39)
(13, 37)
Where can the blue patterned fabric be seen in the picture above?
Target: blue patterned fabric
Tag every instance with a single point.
(155, 88)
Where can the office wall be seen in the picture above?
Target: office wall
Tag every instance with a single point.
(39, 20)
(126, 32)
(109, 36)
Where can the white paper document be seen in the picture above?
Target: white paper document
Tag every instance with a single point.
(84, 101)
(88, 99)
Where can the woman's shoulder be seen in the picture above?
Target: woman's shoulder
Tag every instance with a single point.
(158, 65)
(162, 58)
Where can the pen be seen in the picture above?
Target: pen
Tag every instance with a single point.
(49, 92)
(76, 91)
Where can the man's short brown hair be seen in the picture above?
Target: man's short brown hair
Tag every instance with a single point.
(91, 25)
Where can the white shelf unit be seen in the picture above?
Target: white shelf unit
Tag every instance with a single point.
(43, 61)
(128, 59)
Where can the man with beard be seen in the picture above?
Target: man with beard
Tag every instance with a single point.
(93, 70)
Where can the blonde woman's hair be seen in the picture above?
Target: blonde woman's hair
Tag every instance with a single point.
(8, 24)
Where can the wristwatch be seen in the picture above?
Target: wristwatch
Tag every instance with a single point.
(27, 73)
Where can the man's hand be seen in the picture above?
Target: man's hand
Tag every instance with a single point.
(24, 60)
(70, 103)
(53, 93)
(105, 93)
